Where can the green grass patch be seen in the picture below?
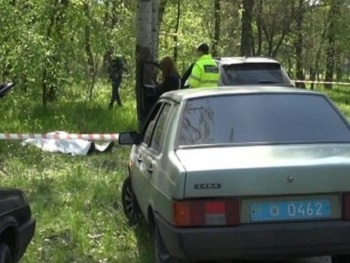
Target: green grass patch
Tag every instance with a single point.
(340, 94)
(75, 199)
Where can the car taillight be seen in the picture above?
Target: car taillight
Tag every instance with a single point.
(346, 206)
(206, 213)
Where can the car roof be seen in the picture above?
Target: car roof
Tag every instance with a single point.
(242, 60)
(185, 94)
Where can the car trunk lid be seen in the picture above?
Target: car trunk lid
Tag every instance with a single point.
(266, 170)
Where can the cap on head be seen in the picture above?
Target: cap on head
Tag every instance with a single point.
(203, 48)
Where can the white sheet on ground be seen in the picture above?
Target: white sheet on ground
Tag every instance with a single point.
(68, 146)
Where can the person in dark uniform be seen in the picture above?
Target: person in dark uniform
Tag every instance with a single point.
(116, 69)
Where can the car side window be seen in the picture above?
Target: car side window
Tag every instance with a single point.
(147, 134)
(160, 127)
(262, 119)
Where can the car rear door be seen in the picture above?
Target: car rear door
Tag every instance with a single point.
(148, 154)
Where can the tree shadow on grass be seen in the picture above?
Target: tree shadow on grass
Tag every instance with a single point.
(144, 243)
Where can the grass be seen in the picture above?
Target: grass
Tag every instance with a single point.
(340, 95)
(76, 200)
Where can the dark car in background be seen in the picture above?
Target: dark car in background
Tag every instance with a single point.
(17, 226)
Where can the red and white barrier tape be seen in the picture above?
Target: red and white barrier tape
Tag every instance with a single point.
(58, 136)
(321, 82)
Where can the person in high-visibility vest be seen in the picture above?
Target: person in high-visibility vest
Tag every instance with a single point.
(205, 71)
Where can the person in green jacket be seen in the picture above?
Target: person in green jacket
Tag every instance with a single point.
(205, 72)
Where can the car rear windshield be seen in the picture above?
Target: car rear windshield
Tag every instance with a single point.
(254, 73)
(262, 119)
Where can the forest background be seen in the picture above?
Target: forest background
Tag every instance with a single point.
(59, 47)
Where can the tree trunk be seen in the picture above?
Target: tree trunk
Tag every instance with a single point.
(106, 16)
(334, 12)
(89, 56)
(48, 78)
(155, 28)
(312, 78)
(114, 20)
(258, 24)
(161, 11)
(217, 21)
(45, 80)
(110, 20)
(247, 31)
(176, 38)
(299, 45)
(274, 26)
(338, 67)
(143, 52)
(315, 70)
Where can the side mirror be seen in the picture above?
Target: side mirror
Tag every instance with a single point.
(129, 138)
(5, 88)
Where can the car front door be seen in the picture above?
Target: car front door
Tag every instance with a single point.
(148, 152)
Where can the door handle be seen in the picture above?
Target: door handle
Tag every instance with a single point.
(150, 169)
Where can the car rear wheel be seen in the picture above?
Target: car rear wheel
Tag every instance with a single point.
(130, 206)
(5, 254)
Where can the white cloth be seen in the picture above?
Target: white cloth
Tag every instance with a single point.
(68, 146)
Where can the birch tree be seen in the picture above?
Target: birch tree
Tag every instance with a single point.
(247, 31)
(143, 52)
(155, 28)
(334, 13)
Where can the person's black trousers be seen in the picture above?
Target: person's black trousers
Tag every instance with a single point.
(115, 92)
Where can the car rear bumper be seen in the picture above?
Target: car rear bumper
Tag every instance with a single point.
(25, 233)
(257, 241)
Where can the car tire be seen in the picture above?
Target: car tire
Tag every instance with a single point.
(5, 254)
(130, 205)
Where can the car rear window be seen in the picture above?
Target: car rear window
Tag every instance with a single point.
(262, 119)
(254, 73)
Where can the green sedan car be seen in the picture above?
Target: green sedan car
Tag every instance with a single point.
(242, 173)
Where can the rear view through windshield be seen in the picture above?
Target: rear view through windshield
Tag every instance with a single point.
(261, 118)
(254, 74)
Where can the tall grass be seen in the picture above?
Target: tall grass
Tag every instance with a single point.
(76, 200)
(340, 94)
